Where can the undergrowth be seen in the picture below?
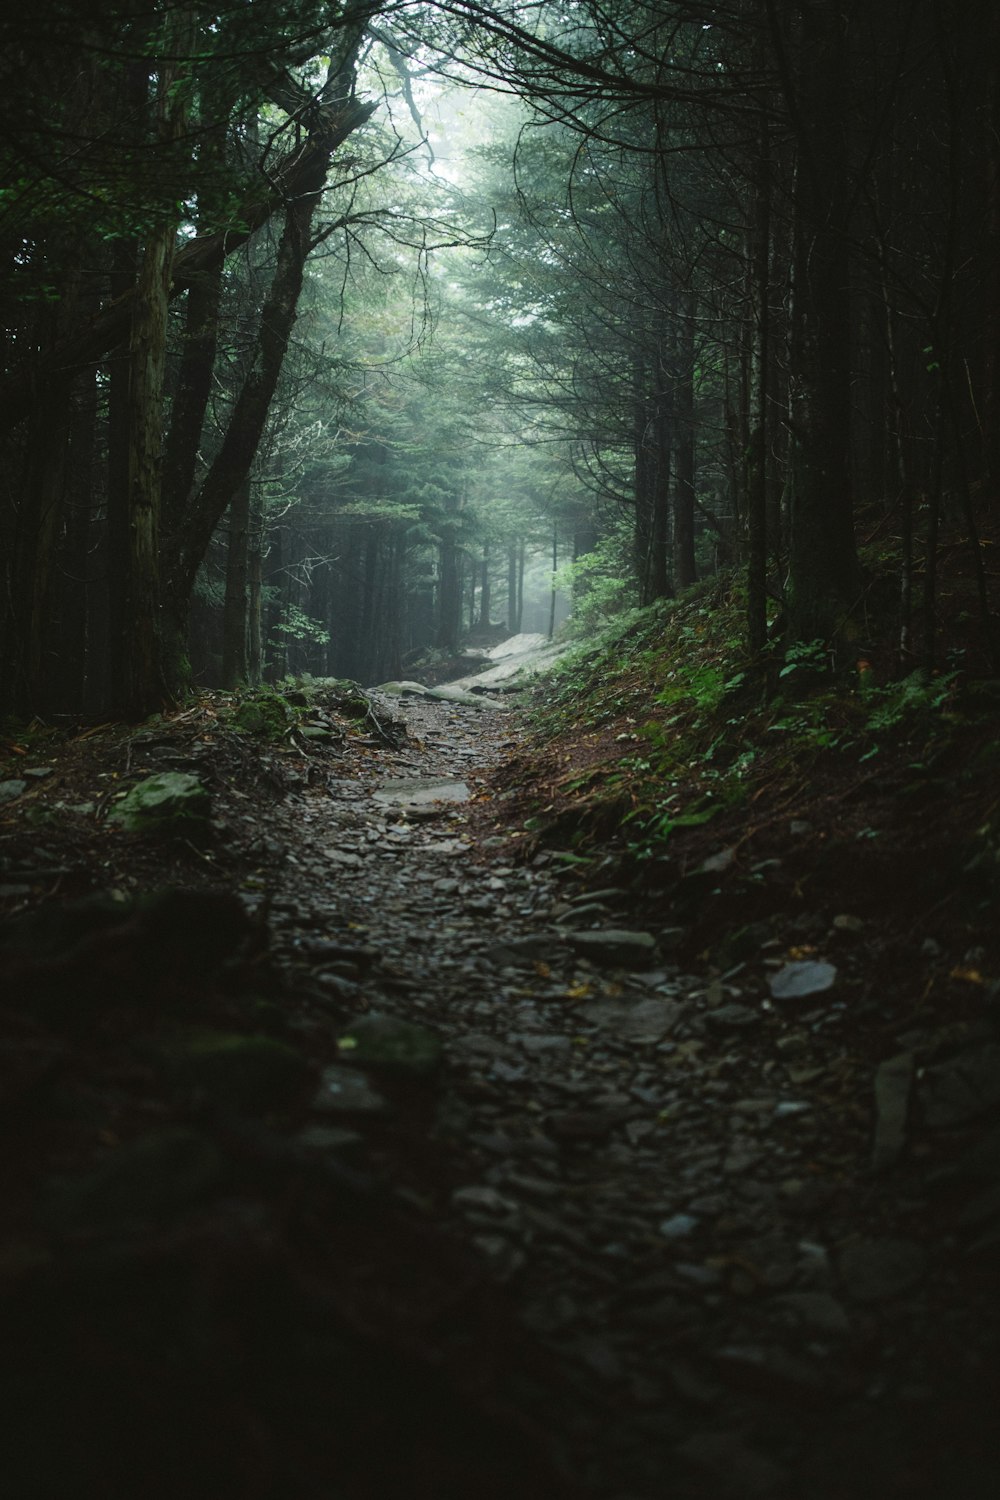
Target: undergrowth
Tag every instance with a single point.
(683, 725)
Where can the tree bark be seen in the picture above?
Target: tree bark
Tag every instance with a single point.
(485, 593)
(142, 686)
(757, 527)
(823, 566)
(685, 571)
(234, 611)
(232, 463)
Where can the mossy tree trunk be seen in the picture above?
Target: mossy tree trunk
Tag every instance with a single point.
(824, 574)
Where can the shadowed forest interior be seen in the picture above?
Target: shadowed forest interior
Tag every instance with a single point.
(499, 676)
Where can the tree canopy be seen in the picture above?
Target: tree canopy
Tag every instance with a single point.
(317, 315)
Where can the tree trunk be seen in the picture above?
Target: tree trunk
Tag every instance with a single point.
(823, 565)
(449, 593)
(142, 687)
(485, 599)
(513, 611)
(991, 307)
(232, 463)
(685, 570)
(255, 567)
(555, 568)
(234, 612)
(757, 519)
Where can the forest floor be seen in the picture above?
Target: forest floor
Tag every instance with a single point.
(445, 1132)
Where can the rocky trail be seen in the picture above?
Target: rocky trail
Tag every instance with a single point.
(492, 1176)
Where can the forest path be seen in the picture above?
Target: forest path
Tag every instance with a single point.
(670, 1172)
(425, 1149)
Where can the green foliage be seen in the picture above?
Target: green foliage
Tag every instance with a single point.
(806, 657)
(296, 625)
(602, 584)
(915, 695)
(693, 727)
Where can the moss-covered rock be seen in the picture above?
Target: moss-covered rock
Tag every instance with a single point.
(388, 1044)
(172, 804)
(266, 714)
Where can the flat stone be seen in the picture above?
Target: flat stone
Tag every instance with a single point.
(522, 949)
(451, 693)
(804, 977)
(644, 1020)
(876, 1270)
(537, 1043)
(344, 857)
(733, 1018)
(715, 864)
(893, 1081)
(484, 1200)
(678, 1226)
(11, 789)
(615, 946)
(417, 790)
(171, 803)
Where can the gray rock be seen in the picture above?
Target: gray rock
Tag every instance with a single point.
(343, 1091)
(732, 1018)
(715, 864)
(450, 692)
(961, 1089)
(804, 977)
(643, 1020)
(536, 1043)
(483, 1200)
(170, 804)
(876, 1270)
(678, 1226)
(615, 946)
(11, 789)
(415, 791)
(522, 949)
(893, 1082)
(389, 1044)
(403, 689)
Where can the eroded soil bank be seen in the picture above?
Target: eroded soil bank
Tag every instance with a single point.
(393, 1161)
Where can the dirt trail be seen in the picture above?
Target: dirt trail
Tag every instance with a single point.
(671, 1171)
(676, 1217)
